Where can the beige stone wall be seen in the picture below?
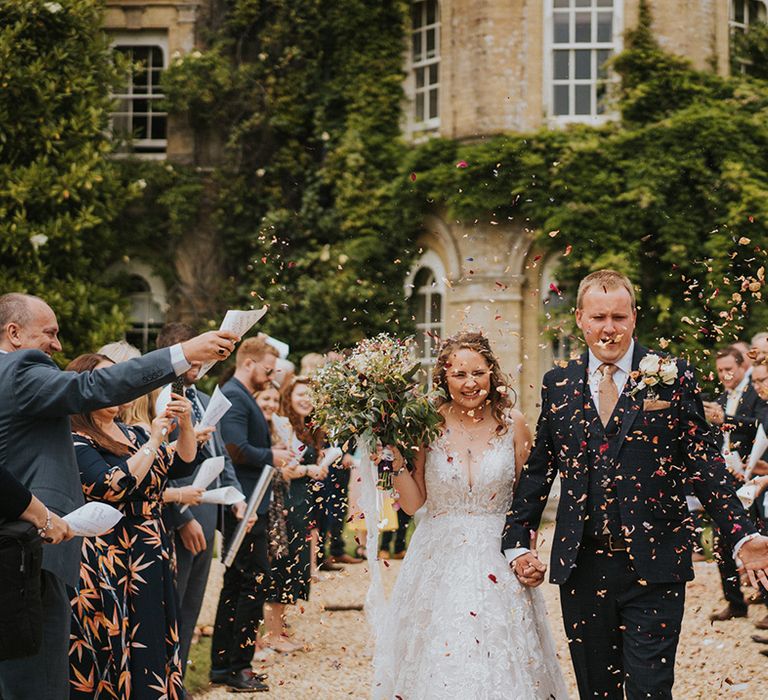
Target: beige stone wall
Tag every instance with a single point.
(491, 77)
(493, 284)
(696, 29)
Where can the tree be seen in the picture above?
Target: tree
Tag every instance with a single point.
(59, 190)
(308, 97)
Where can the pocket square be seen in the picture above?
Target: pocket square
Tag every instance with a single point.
(655, 405)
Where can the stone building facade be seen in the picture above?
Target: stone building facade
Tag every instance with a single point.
(474, 68)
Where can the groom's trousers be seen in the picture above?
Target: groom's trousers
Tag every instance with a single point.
(622, 633)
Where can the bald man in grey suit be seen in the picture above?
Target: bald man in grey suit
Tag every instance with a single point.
(36, 400)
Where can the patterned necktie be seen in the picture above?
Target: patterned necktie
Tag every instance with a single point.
(607, 392)
(191, 394)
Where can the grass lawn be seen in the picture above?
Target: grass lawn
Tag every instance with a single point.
(196, 679)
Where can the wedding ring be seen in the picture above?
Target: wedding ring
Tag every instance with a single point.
(222, 351)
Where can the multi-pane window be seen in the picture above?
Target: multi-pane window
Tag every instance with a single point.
(428, 311)
(584, 34)
(425, 62)
(147, 318)
(138, 117)
(746, 12)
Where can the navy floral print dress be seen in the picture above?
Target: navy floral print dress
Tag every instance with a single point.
(124, 637)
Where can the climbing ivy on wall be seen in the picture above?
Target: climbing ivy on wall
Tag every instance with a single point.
(306, 96)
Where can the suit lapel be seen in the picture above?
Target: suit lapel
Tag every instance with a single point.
(577, 393)
(631, 401)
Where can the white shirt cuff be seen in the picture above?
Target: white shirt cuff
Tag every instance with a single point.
(740, 543)
(514, 553)
(179, 361)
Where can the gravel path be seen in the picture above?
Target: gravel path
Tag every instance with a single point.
(714, 661)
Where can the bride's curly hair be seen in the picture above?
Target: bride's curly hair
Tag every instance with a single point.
(501, 396)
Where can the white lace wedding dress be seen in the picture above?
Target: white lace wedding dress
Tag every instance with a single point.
(458, 623)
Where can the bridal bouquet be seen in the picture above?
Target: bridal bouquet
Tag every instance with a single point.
(374, 394)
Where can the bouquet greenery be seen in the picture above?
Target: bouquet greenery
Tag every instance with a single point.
(373, 393)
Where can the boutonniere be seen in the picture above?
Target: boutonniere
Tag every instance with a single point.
(654, 370)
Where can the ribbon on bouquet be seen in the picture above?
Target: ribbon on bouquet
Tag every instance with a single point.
(372, 503)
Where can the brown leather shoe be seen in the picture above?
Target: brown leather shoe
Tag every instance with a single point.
(384, 554)
(727, 613)
(762, 624)
(345, 559)
(399, 555)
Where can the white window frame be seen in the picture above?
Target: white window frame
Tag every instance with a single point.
(432, 123)
(144, 39)
(743, 26)
(429, 261)
(616, 45)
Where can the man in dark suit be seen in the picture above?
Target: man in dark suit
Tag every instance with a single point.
(626, 432)
(194, 527)
(245, 433)
(738, 409)
(36, 400)
(737, 413)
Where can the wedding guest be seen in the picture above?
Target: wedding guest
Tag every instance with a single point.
(18, 503)
(334, 508)
(398, 536)
(760, 342)
(194, 528)
(759, 508)
(738, 408)
(744, 348)
(241, 601)
(737, 411)
(291, 573)
(36, 400)
(284, 371)
(275, 637)
(124, 640)
(139, 411)
(311, 362)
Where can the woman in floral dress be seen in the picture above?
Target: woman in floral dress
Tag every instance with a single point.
(124, 638)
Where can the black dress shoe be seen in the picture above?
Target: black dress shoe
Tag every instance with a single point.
(222, 677)
(219, 677)
(760, 640)
(246, 682)
(764, 652)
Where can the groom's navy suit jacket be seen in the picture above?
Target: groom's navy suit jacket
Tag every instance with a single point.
(660, 452)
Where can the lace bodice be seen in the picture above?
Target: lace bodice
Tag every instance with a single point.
(458, 623)
(493, 474)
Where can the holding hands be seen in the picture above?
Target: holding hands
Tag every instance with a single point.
(528, 568)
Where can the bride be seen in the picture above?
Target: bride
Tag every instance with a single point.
(458, 623)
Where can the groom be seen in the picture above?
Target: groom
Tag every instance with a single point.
(626, 453)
